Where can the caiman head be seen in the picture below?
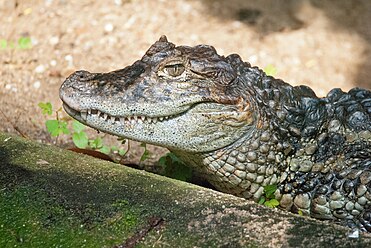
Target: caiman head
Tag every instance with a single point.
(179, 97)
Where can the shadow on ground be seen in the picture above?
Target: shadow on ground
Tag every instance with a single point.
(269, 16)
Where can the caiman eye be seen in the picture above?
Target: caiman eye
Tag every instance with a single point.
(174, 70)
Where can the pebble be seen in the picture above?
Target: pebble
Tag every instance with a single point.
(54, 40)
(108, 27)
(69, 59)
(40, 69)
(11, 87)
(118, 2)
(36, 84)
(53, 62)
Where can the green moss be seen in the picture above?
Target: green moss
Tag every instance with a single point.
(52, 198)
(29, 216)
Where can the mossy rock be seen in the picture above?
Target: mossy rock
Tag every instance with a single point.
(51, 197)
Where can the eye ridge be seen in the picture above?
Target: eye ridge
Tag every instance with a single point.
(174, 70)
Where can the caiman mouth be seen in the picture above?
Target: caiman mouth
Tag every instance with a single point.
(123, 120)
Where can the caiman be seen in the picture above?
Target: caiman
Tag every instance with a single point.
(239, 128)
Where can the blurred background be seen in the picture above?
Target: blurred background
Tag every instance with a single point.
(323, 44)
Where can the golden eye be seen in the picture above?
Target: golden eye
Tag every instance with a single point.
(174, 70)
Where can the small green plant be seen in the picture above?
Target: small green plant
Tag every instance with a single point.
(270, 70)
(3, 43)
(54, 127)
(267, 199)
(173, 167)
(80, 138)
(146, 153)
(22, 43)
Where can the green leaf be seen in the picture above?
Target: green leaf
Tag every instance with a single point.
(46, 108)
(56, 127)
(24, 43)
(77, 126)
(174, 167)
(300, 213)
(3, 44)
(261, 200)
(80, 139)
(114, 148)
(272, 203)
(269, 190)
(105, 150)
(122, 152)
(146, 153)
(270, 70)
(96, 143)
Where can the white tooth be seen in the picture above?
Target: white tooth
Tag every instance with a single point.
(105, 116)
(166, 117)
(161, 118)
(144, 118)
(98, 113)
(132, 121)
(122, 120)
(155, 120)
(149, 120)
(89, 111)
(83, 115)
(113, 119)
(140, 120)
(135, 118)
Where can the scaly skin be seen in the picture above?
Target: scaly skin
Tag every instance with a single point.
(238, 127)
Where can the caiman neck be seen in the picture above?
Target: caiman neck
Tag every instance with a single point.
(261, 157)
(244, 167)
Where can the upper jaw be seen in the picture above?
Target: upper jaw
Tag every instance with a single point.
(82, 116)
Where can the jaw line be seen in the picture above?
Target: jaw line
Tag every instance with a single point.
(126, 122)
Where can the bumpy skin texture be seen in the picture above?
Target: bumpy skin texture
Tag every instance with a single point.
(238, 127)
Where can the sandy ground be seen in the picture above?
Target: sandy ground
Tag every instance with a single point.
(323, 44)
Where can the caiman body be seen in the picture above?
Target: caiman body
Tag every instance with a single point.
(238, 127)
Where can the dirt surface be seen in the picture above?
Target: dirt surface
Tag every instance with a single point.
(323, 44)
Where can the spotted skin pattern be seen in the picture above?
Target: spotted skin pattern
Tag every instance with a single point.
(238, 127)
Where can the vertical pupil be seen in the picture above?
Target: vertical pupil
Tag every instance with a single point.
(175, 70)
